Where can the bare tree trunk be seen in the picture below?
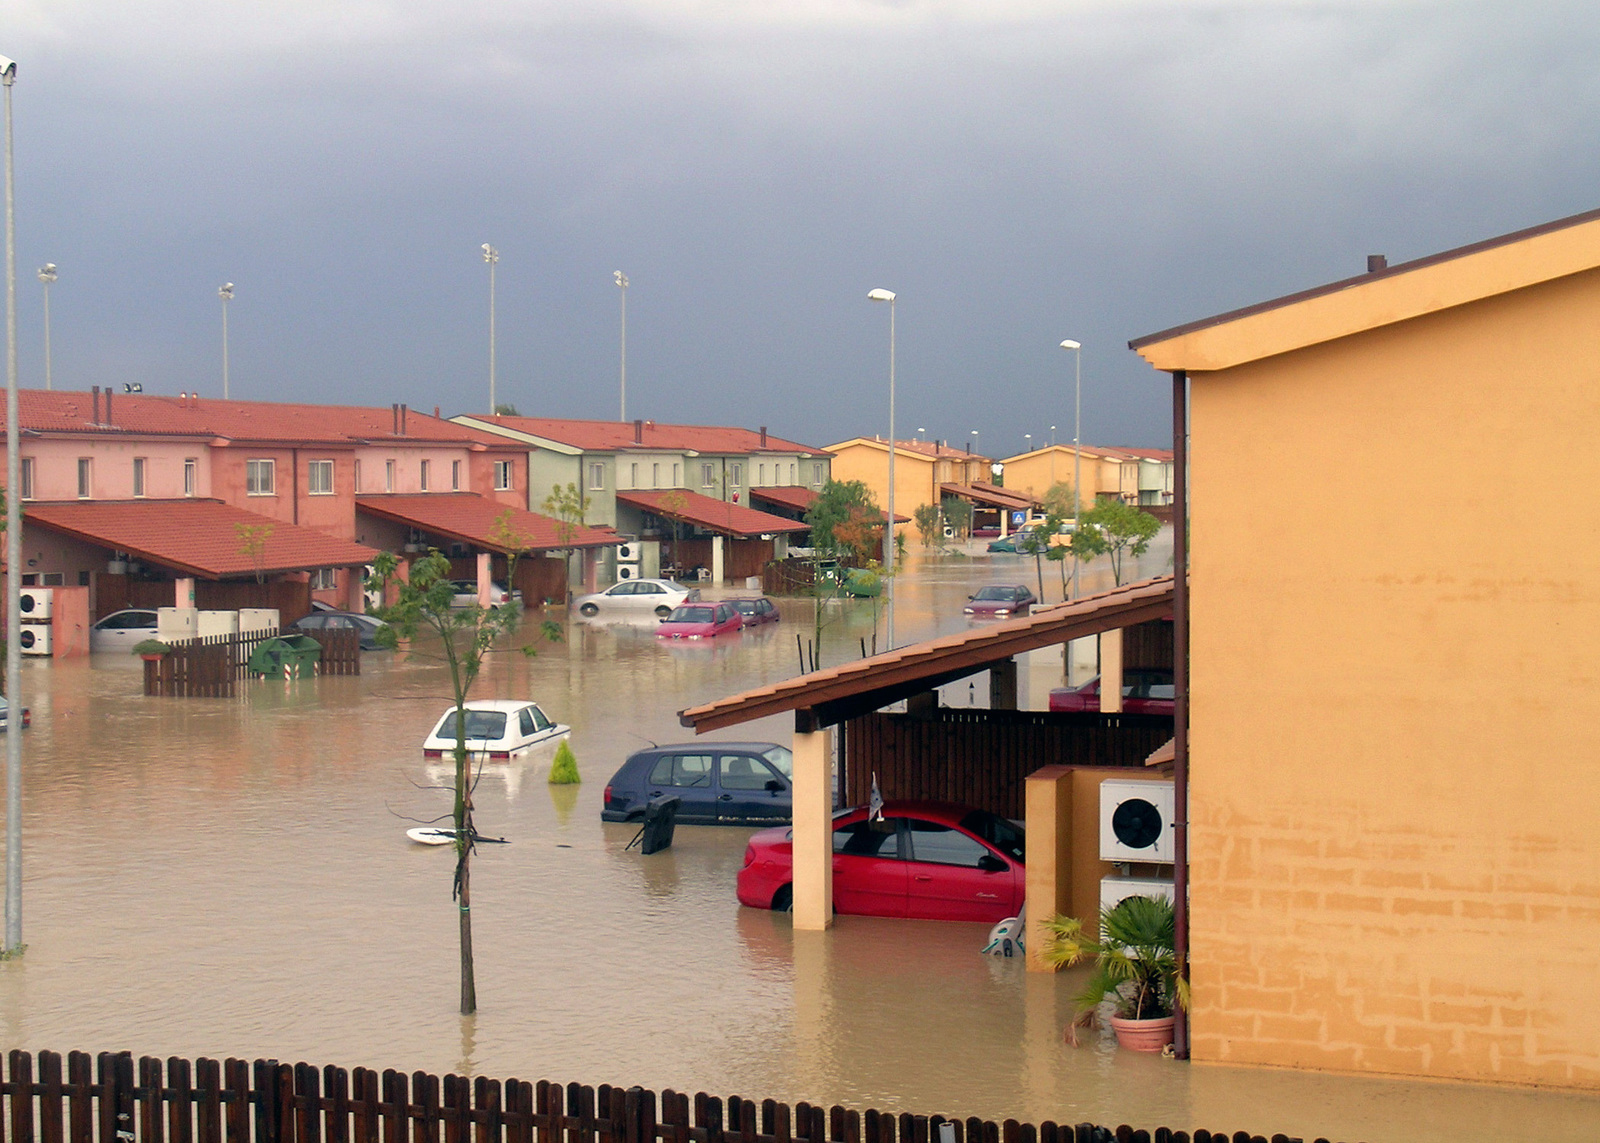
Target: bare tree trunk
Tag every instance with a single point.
(469, 984)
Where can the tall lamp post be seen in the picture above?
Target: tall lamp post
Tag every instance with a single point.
(622, 288)
(491, 256)
(225, 292)
(47, 274)
(1077, 454)
(881, 295)
(13, 940)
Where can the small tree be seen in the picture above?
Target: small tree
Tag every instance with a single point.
(1035, 541)
(958, 514)
(568, 505)
(253, 544)
(860, 533)
(928, 522)
(1058, 499)
(424, 602)
(1114, 529)
(832, 507)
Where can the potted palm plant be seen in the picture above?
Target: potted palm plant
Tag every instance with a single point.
(1135, 967)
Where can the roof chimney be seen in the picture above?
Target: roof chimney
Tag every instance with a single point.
(108, 405)
(403, 412)
(96, 420)
(763, 436)
(436, 413)
(638, 432)
(394, 418)
(1376, 262)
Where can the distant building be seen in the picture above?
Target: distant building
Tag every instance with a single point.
(1133, 475)
(925, 472)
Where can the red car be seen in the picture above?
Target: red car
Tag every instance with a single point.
(1145, 690)
(1000, 601)
(700, 621)
(756, 611)
(929, 860)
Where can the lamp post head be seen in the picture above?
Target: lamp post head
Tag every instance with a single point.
(47, 273)
(1070, 344)
(8, 71)
(622, 279)
(225, 291)
(881, 295)
(490, 254)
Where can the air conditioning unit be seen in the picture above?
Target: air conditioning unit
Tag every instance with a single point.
(35, 638)
(1136, 820)
(628, 552)
(1114, 889)
(627, 571)
(949, 532)
(37, 602)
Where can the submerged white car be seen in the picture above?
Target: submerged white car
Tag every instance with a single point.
(637, 597)
(496, 729)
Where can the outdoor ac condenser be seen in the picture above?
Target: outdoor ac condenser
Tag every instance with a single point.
(35, 639)
(1114, 889)
(37, 603)
(628, 552)
(627, 571)
(1136, 820)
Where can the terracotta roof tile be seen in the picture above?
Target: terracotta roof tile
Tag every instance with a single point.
(196, 537)
(711, 514)
(618, 436)
(930, 449)
(474, 519)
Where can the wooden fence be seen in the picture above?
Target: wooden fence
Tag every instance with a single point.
(112, 1098)
(983, 757)
(212, 667)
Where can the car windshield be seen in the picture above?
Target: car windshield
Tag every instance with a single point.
(996, 593)
(690, 615)
(782, 759)
(745, 606)
(482, 725)
(998, 832)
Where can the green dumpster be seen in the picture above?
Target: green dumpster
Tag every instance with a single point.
(289, 656)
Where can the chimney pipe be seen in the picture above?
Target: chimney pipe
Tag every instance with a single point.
(763, 436)
(1376, 262)
(394, 418)
(638, 432)
(436, 413)
(109, 421)
(403, 412)
(96, 420)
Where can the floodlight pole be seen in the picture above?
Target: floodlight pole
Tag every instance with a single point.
(47, 275)
(888, 528)
(13, 936)
(491, 256)
(1077, 453)
(622, 287)
(225, 292)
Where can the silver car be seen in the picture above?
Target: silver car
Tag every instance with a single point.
(120, 630)
(633, 596)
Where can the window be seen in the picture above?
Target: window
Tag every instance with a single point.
(525, 722)
(138, 475)
(791, 472)
(942, 845)
(356, 475)
(258, 477)
(736, 475)
(762, 474)
(388, 476)
(674, 476)
(324, 579)
(455, 476)
(633, 475)
(741, 772)
(319, 478)
(816, 474)
(867, 838)
(191, 468)
(655, 476)
(597, 476)
(708, 475)
(422, 475)
(502, 475)
(85, 478)
(27, 478)
(682, 770)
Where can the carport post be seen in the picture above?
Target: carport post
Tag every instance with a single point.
(485, 577)
(717, 543)
(1111, 671)
(183, 591)
(813, 819)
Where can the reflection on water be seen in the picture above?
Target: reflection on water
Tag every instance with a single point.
(232, 878)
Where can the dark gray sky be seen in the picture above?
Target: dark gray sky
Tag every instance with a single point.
(1019, 172)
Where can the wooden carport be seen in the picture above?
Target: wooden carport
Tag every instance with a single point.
(824, 699)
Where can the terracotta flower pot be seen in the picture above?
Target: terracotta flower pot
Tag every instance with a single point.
(1143, 1035)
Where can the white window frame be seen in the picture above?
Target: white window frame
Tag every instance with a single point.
(260, 477)
(140, 469)
(316, 486)
(597, 476)
(85, 478)
(25, 476)
(191, 475)
(355, 476)
(633, 474)
(504, 476)
(816, 473)
(388, 475)
(736, 475)
(708, 475)
(423, 473)
(675, 475)
(324, 579)
(455, 476)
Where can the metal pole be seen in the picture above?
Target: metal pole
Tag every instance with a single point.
(888, 534)
(225, 292)
(622, 286)
(47, 274)
(1077, 457)
(13, 943)
(491, 256)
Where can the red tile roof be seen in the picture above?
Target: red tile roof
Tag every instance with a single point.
(789, 495)
(712, 515)
(196, 537)
(475, 519)
(618, 436)
(982, 492)
(58, 411)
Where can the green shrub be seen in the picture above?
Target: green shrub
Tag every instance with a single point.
(564, 768)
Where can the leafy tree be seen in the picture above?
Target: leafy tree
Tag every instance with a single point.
(958, 514)
(253, 543)
(568, 505)
(833, 507)
(504, 410)
(1058, 499)
(929, 523)
(860, 533)
(1112, 528)
(423, 603)
(1035, 541)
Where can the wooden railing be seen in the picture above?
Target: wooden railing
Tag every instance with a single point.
(211, 667)
(113, 1098)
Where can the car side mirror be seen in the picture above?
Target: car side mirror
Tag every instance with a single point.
(774, 786)
(989, 863)
(972, 597)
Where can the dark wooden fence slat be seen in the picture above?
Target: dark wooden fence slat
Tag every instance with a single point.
(396, 1108)
(208, 1100)
(51, 1092)
(425, 1089)
(180, 1101)
(80, 1098)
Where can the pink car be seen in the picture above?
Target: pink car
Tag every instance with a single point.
(1145, 690)
(930, 860)
(700, 621)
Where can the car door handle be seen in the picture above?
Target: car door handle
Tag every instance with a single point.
(725, 798)
(924, 879)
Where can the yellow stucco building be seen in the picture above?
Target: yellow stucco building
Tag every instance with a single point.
(1394, 740)
(920, 467)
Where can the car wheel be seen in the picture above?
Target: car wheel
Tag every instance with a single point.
(663, 611)
(589, 609)
(783, 900)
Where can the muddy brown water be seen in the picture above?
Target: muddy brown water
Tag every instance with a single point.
(231, 877)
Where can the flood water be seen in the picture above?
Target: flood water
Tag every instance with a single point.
(232, 877)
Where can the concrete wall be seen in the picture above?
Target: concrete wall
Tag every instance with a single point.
(1396, 720)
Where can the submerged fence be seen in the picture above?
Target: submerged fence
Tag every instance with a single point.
(212, 666)
(113, 1098)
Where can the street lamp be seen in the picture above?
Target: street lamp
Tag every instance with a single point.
(13, 937)
(1027, 442)
(491, 256)
(622, 287)
(1077, 454)
(225, 292)
(881, 295)
(47, 274)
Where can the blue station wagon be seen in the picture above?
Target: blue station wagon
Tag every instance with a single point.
(721, 783)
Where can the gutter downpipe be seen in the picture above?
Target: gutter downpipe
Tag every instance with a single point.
(1180, 706)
